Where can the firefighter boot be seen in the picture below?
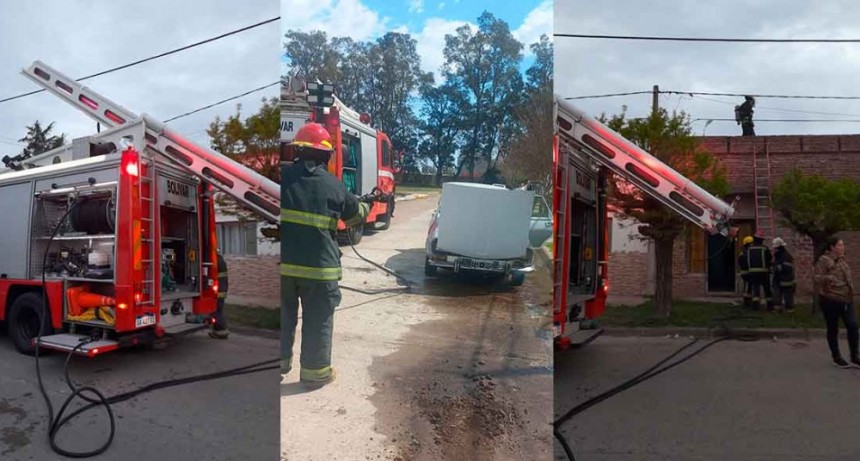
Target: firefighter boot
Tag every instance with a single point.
(285, 369)
(219, 334)
(316, 379)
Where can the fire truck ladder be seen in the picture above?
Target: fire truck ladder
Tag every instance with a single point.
(147, 228)
(560, 188)
(764, 223)
(250, 188)
(643, 170)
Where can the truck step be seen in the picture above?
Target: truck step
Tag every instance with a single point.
(582, 337)
(65, 342)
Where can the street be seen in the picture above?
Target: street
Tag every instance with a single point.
(763, 400)
(456, 369)
(233, 418)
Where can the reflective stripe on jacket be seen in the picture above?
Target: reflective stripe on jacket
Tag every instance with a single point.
(312, 202)
(223, 281)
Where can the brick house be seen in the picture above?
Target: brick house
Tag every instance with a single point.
(706, 265)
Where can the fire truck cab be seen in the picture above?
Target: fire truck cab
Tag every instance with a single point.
(114, 234)
(585, 153)
(363, 159)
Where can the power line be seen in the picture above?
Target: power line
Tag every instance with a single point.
(594, 96)
(703, 39)
(701, 93)
(780, 109)
(161, 55)
(779, 120)
(221, 102)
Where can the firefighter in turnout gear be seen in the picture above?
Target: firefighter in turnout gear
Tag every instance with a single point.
(312, 202)
(744, 116)
(219, 328)
(784, 283)
(759, 260)
(744, 266)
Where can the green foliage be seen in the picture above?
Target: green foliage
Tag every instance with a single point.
(670, 139)
(253, 142)
(40, 140)
(818, 207)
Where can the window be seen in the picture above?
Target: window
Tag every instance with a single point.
(237, 238)
(386, 153)
(695, 250)
(540, 208)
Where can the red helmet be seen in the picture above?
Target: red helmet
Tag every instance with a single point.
(313, 136)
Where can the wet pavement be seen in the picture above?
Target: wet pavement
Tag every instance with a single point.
(458, 368)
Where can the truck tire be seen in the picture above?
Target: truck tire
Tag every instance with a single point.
(385, 223)
(429, 269)
(353, 233)
(25, 316)
(517, 278)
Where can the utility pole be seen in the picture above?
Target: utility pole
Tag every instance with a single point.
(655, 99)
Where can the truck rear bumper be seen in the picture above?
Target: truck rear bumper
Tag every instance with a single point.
(458, 264)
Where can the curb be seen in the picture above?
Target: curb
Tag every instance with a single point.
(259, 332)
(410, 197)
(795, 333)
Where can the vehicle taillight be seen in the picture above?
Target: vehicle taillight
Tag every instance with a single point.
(131, 168)
(122, 305)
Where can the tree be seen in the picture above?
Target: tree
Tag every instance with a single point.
(253, 142)
(312, 55)
(529, 157)
(40, 140)
(485, 64)
(441, 125)
(670, 139)
(817, 207)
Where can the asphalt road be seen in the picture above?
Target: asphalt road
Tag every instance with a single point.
(233, 418)
(457, 369)
(764, 400)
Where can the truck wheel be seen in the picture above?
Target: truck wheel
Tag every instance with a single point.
(429, 269)
(353, 233)
(517, 278)
(25, 316)
(385, 223)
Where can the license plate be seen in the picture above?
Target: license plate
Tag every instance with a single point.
(144, 320)
(481, 264)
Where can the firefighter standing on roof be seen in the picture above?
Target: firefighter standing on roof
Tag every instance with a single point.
(744, 265)
(744, 116)
(759, 259)
(312, 202)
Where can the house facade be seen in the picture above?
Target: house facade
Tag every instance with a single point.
(706, 265)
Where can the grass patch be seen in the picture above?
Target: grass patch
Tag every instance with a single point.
(406, 190)
(697, 314)
(253, 317)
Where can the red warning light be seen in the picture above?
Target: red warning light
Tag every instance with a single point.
(88, 102)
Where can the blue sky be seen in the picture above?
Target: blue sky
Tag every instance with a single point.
(426, 20)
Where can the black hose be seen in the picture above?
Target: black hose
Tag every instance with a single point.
(55, 422)
(651, 372)
(409, 283)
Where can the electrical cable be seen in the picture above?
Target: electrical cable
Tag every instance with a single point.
(655, 370)
(708, 39)
(157, 56)
(703, 93)
(221, 102)
(805, 120)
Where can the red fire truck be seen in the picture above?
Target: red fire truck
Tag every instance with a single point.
(118, 229)
(585, 153)
(364, 159)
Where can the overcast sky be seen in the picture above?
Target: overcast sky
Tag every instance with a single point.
(426, 20)
(81, 38)
(589, 66)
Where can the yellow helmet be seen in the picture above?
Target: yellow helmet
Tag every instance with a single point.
(747, 240)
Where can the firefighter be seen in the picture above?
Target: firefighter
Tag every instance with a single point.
(744, 116)
(760, 260)
(312, 202)
(783, 275)
(743, 263)
(219, 328)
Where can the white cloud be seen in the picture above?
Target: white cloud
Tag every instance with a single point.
(335, 17)
(416, 6)
(538, 22)
(431, 42)
(162, 88)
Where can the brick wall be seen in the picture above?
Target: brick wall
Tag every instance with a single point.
(834, 157)
(627, 273)
(254, 276)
